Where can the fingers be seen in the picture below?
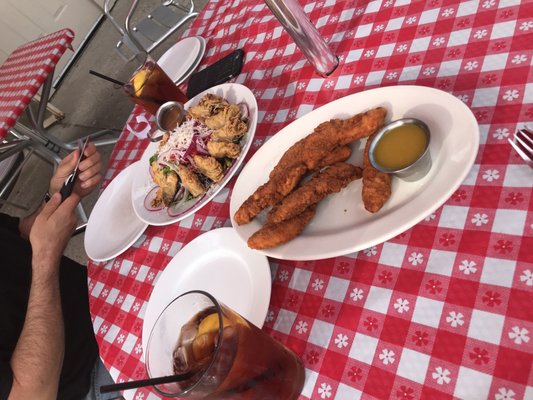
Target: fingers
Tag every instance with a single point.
(52, 205)
(92, 182)
(91, 163)
(69, 162)
(89, 169)
(90, 151)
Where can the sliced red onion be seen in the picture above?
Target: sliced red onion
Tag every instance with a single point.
(179, 194)
(244, 110)
(174, 209)
(206, 134)
(190, 161)
(201, 147)
(149, 198)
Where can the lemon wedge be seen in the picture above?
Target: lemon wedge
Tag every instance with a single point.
(139, 80)
(210, 324)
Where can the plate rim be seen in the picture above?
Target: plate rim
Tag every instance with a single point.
(169, 275)
(194, 64)
(281, 252)
(126, 172)
(227, 178)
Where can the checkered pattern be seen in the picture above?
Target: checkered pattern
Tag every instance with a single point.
(443, 310)
(24, 72)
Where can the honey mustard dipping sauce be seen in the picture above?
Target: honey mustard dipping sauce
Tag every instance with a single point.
(400, 147)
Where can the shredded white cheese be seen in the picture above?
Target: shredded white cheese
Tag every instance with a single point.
(180, 138)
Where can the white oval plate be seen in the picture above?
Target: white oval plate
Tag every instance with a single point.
(113, 226)
(142, 182)
(180, 61)
(341, 224)
(219, 263)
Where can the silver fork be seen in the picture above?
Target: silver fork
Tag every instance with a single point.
(523, 144)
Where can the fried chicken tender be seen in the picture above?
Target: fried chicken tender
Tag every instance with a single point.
(272, 235)
(168, 186)
(209, 167)
(307, 155)
(269, 194)
(376, 184)
(331, 180)
(223, 149)
(190, 181)
(327, 136)
(338, 154)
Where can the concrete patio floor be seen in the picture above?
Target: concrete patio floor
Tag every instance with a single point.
(90, 104)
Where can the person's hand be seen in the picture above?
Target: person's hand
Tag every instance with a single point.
(53, 228)
(88, 173)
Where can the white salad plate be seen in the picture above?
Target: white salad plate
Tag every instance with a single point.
(219, 263)
(341, 224)
(143, 182)
(113, 226)
(180, 61)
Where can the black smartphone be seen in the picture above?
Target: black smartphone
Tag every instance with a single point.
(219, 72)
(66, 189)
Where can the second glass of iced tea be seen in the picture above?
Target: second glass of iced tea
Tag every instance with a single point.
(150, 87)
(221, 354)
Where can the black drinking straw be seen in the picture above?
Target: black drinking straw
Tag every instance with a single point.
(107, 78)
(145, 382)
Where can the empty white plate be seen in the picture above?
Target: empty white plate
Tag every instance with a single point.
(220, 263)
(113, 226)
(180, 61)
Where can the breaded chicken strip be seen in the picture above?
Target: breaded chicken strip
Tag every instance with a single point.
(271, 235)
(269, 194)
(376, 184)
(223, 149)
(338, 154)
(327, 136)
(331, 180)
(209, 167)
(307, 155)
(190, 181)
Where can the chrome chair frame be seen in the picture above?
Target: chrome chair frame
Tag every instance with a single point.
(36, 139)
(152, 30)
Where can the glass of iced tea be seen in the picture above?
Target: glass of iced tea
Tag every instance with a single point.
(221, 354)
(150, 87)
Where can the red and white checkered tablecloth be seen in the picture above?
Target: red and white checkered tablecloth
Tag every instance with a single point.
(444, 310)
(24, 72)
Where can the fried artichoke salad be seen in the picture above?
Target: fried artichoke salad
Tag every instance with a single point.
(197, 153)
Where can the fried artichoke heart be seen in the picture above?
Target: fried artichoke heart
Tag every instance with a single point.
(190, 181)
(209, 167)
(168, 186)
(231, 132)
(209, 105)
(223, 149)
(224, 117)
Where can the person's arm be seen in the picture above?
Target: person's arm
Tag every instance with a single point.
(88, 179)
(38, 357)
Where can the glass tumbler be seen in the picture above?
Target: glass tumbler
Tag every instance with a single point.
(150, 87)
(220, 354)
